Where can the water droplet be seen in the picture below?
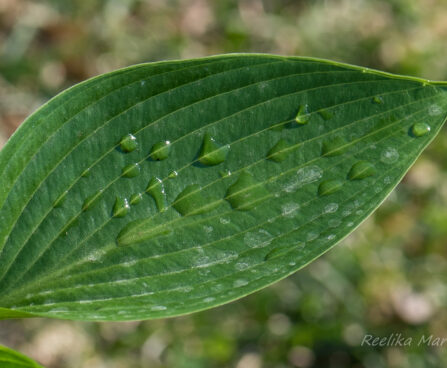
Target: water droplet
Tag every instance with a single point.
(258, 239)
(156, 189)
(224, 221)
(208, 229)
(240, 283)
(289, 209)
(160, 151)
(91, 200)
(312, 236)
(246, 193)
(192, 202)
(121, 207)
(346, 213)
(331, 237)
(378, 100)
(329, 187)
(303, 115)
(135, 198)
(389, 155)
(212, 153)
(334, 223)
(157, 308)
(434, 110)
(225, 173)
(326, 114)
(60, 200)
(334, 147)
(361, 170)
(331, 208)
(185, 289)
(279, 151)
(173, 174)
(420, 129)
(86, 172)
(131, 171)
(128, 143)
(240, 266)
(305, 175)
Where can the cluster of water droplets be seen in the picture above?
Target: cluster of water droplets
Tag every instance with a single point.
(246, 192)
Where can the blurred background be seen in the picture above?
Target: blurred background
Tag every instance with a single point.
(390, 276)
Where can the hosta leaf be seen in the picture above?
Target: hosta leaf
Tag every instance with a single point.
(172, 187)
(12, 359)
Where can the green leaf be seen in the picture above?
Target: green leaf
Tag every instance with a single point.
(172, 187)
(12, 359)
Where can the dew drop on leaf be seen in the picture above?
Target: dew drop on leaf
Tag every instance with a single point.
(378, 100)
(305, 175)
(420, 129)
(258, 239)
(279, 151)
(246, 193)
(289, 209)
(158, 308)
(132, 170)
(329, 187)
(240, 283)
(311, 236)
(121, 207)
(303, 115)
(389, 155)
(331, 208)
(334, 223)
(225, 173)
(160, 151)
(361, 170)
(156, 189)
(128, 143)
(434, 110)
(135, 198)
(91, 200)
(192, 202)
(173, 174)
(212, 153)
(334, 147)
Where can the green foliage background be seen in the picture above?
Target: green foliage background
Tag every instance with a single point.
(388, 277)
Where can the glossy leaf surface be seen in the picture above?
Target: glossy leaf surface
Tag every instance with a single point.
(251, 166)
